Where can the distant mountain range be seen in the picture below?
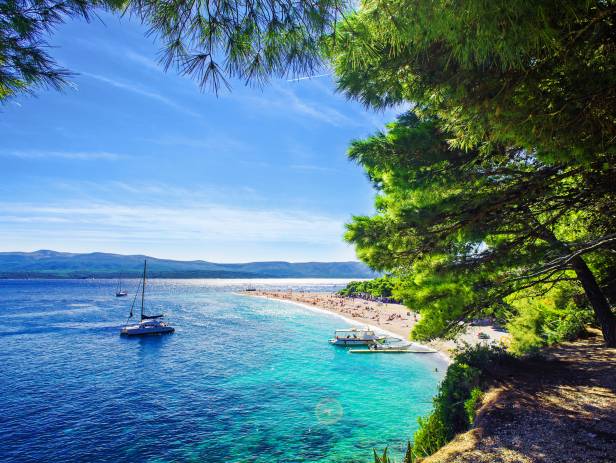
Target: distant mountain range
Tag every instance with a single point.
(51, 264)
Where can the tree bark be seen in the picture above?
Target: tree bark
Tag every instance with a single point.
(598, 301)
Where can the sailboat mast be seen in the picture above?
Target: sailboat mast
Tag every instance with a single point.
(145, 262)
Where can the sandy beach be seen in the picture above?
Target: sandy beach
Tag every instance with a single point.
(393, 318)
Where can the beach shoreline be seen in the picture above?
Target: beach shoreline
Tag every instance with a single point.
(395, 320)
(382, 320)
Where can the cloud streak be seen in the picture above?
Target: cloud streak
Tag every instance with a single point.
(286, 102)
(162, 223)
(71, 155)
(142, 91)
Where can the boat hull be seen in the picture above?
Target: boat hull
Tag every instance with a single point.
(355, 342)
(140, 331)
(390, 351)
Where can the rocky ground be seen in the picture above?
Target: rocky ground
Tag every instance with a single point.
(557, 408)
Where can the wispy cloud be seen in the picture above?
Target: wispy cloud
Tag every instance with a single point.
(312, 168)
(119, 52)
(215, 142)
(142, 60)
(297, 79)
(320, 111)
(283, 100)
(142, 91)
(156, 192)
(160, 223)
(76, 155)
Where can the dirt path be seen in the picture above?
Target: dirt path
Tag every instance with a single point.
(561, 408)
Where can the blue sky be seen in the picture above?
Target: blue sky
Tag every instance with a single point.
(131, 159)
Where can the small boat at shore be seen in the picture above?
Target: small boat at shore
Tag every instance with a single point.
(356, 337)
(394, 348)
(385, 351)
(148, 324)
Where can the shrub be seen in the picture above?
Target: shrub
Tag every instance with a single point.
(458, 396)
(384, 458)
(551, 318)
(381, 459)
(472, 404)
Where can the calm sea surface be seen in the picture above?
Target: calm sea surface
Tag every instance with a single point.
(242, 379)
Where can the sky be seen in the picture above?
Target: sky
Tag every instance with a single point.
(130, 159)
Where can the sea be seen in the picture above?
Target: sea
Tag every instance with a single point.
(242, 379)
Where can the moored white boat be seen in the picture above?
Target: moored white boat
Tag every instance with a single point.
(147, 327)
(148, 324)
(119, 291)
(356, 337)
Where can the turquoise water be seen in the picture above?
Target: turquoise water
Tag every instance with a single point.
(243, 379)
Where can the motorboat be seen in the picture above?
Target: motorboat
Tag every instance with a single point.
(356, 337)
(148, 324)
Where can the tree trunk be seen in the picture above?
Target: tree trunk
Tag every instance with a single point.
(597, 299)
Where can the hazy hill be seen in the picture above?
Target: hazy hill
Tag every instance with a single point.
(51, 264)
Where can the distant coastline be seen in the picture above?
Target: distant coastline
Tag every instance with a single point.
(154, 275)
(168, 276)
(45, 264)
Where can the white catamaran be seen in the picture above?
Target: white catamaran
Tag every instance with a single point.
(149, 324)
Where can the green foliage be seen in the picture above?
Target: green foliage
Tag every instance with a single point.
(247, 40)
(210, 41)
(409, 456)
(431, 435)
(525, 330)
(24, 27)
(465, 229)
(472, 404)
(382, 458)
(457, 399)
(551, 318)
(378, 287)
(536, 75)
(504, 176)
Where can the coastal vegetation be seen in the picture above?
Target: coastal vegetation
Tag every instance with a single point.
(378, 288)
(458, 397)
(471, 235)
(499, 183)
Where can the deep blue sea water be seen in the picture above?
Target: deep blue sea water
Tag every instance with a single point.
(243, 379)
